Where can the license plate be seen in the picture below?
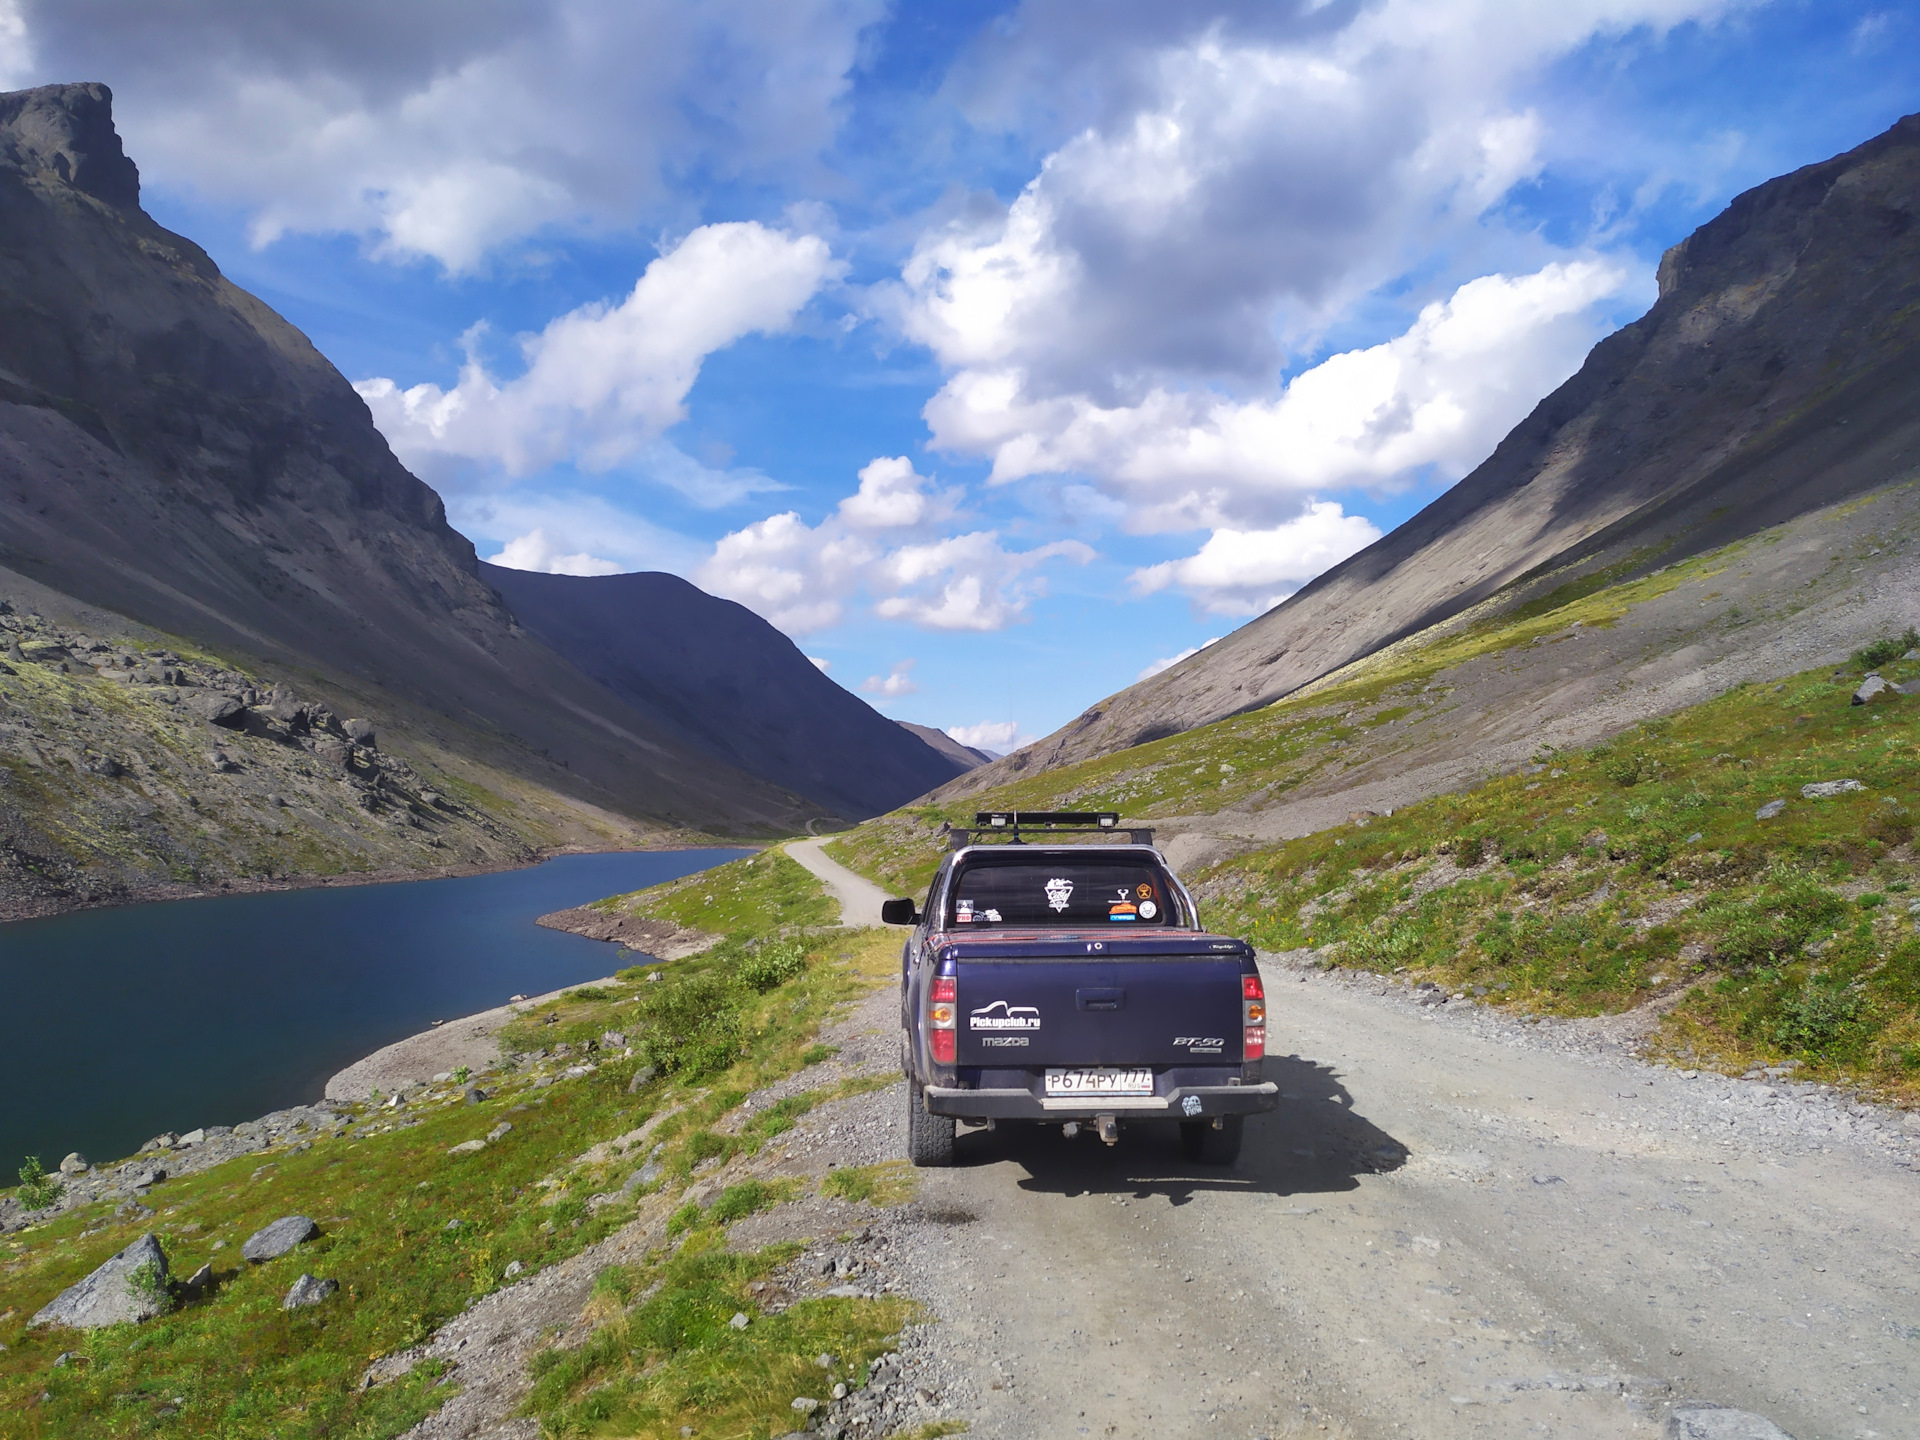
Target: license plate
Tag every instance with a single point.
(1100, 1080)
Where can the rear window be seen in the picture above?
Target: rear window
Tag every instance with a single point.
(1062, 893)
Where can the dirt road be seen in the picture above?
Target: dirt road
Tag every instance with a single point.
(1455, 1225)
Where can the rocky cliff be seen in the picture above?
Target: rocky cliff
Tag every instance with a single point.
(181, 464)
(1778, 372)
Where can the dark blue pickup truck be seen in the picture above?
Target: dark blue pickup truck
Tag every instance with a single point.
(1060, 974)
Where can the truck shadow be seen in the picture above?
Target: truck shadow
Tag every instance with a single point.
(1314, 1144)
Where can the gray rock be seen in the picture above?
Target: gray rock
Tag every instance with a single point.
(514, 1267)
(217, 709)
(1700, 1420)
(109, 1296)
(161, 1142)
(499, 1131)
(308, 1291)
(1869, 687)
(361, 732)
(1769, 810)
(75, 1164)
(640, 1078)
(278, 1238)
(198, 1285)
(1827, 789)
(614, 1040)
(645, 1175)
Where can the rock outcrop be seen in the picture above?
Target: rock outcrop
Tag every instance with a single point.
(130, 1287)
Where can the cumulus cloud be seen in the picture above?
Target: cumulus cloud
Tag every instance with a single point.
(1247, 572)
(534, 551)
(602, 382)
(881, 542)
(820, 663)
(1169, 661)
(449, 128)
(896, 682)
(1226, 184)
(1440, 395)
(997, 737)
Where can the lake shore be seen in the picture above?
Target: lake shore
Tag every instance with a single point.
(46, 907)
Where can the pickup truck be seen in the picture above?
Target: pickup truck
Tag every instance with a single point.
(1070, 982)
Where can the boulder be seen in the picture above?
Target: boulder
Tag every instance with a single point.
(217, 709)
(75, 1164)
(111, 1294)
(199, 1285)
(278, 1238)
(1869, 687)
(1699, 1420)
(361, 732)
(1827, 789)
(308, 1290)
(467, 1147)
(1769, 810)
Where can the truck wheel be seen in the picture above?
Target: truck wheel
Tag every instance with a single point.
(929, 1137)
(1204, 1145)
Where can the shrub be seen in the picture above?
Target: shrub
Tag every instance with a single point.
(692, 1023)
(37, 1188)
(770, 965)
(1773, 923)
(1873, 656)
(1818, 1017)
(148, 1282)
(1625, 770)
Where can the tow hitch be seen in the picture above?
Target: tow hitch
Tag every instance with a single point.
(1108, 1127)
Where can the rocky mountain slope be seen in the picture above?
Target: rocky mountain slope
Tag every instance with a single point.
(967, 757)
(181, 472)
(1778, 372)
(681, 658)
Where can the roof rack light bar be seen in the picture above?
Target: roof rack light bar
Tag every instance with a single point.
(1022, 819)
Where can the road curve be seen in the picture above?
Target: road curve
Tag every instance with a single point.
(859, 897)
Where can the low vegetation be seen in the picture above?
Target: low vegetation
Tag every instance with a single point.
(414, 1235)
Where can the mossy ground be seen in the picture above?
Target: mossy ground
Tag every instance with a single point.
(415, 1235)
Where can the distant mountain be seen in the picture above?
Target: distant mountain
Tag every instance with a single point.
(1778, 372)
(722, 679)
(967, 757)
(175, 453)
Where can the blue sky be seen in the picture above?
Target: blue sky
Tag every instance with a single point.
(997, 352)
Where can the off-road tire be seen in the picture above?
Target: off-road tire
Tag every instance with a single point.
(929, 1137)
(1204, 1145)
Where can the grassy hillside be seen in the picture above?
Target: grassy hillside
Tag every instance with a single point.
(1632, 873)
(416, 1234)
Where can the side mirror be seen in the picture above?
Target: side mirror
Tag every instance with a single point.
(898, 912)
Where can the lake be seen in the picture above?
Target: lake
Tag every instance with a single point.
(118, 1024)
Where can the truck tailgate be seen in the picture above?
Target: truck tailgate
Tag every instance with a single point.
(1140, 1010)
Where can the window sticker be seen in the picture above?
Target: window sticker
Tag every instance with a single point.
(993, 915)
(963, 912)
(1059, 892)
(1147, 908)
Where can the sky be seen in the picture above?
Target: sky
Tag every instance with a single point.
(1000, 352)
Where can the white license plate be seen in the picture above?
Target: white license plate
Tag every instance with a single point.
(1099, 1080)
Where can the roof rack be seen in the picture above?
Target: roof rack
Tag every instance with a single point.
(1050, 822)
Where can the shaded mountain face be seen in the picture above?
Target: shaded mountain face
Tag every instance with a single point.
(1778, 372)
(718, 676)
(173, 451)
(967, 757)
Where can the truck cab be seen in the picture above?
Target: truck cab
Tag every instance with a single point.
(1059, 974)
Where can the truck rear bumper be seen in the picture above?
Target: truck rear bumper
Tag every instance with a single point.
(1188, 1102)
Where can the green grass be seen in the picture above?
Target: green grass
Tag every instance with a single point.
(891, 1182)
(237, 1365)
(757, 895)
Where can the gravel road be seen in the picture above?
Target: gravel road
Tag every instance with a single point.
(859, 897)
(1456, 1224)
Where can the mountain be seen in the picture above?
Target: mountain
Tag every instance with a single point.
(180, 470)
(1777, 373)
(967, 757)
(683, 658)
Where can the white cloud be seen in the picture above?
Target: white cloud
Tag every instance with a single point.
(1000, 737)
(895, 683)
(1441, 395)
(602, 382)
(1247, 572)
(880, 542)
(451, 128)
(820, 663)
(16, 49)
(534, 551)
(1168, 662)
(574, 525)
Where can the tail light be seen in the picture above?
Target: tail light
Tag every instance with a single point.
(942, 1003)
(1253, 1016)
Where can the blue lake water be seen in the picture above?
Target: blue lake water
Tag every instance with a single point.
(118, 1024)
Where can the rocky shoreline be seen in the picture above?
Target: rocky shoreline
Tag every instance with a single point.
(662, 939)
